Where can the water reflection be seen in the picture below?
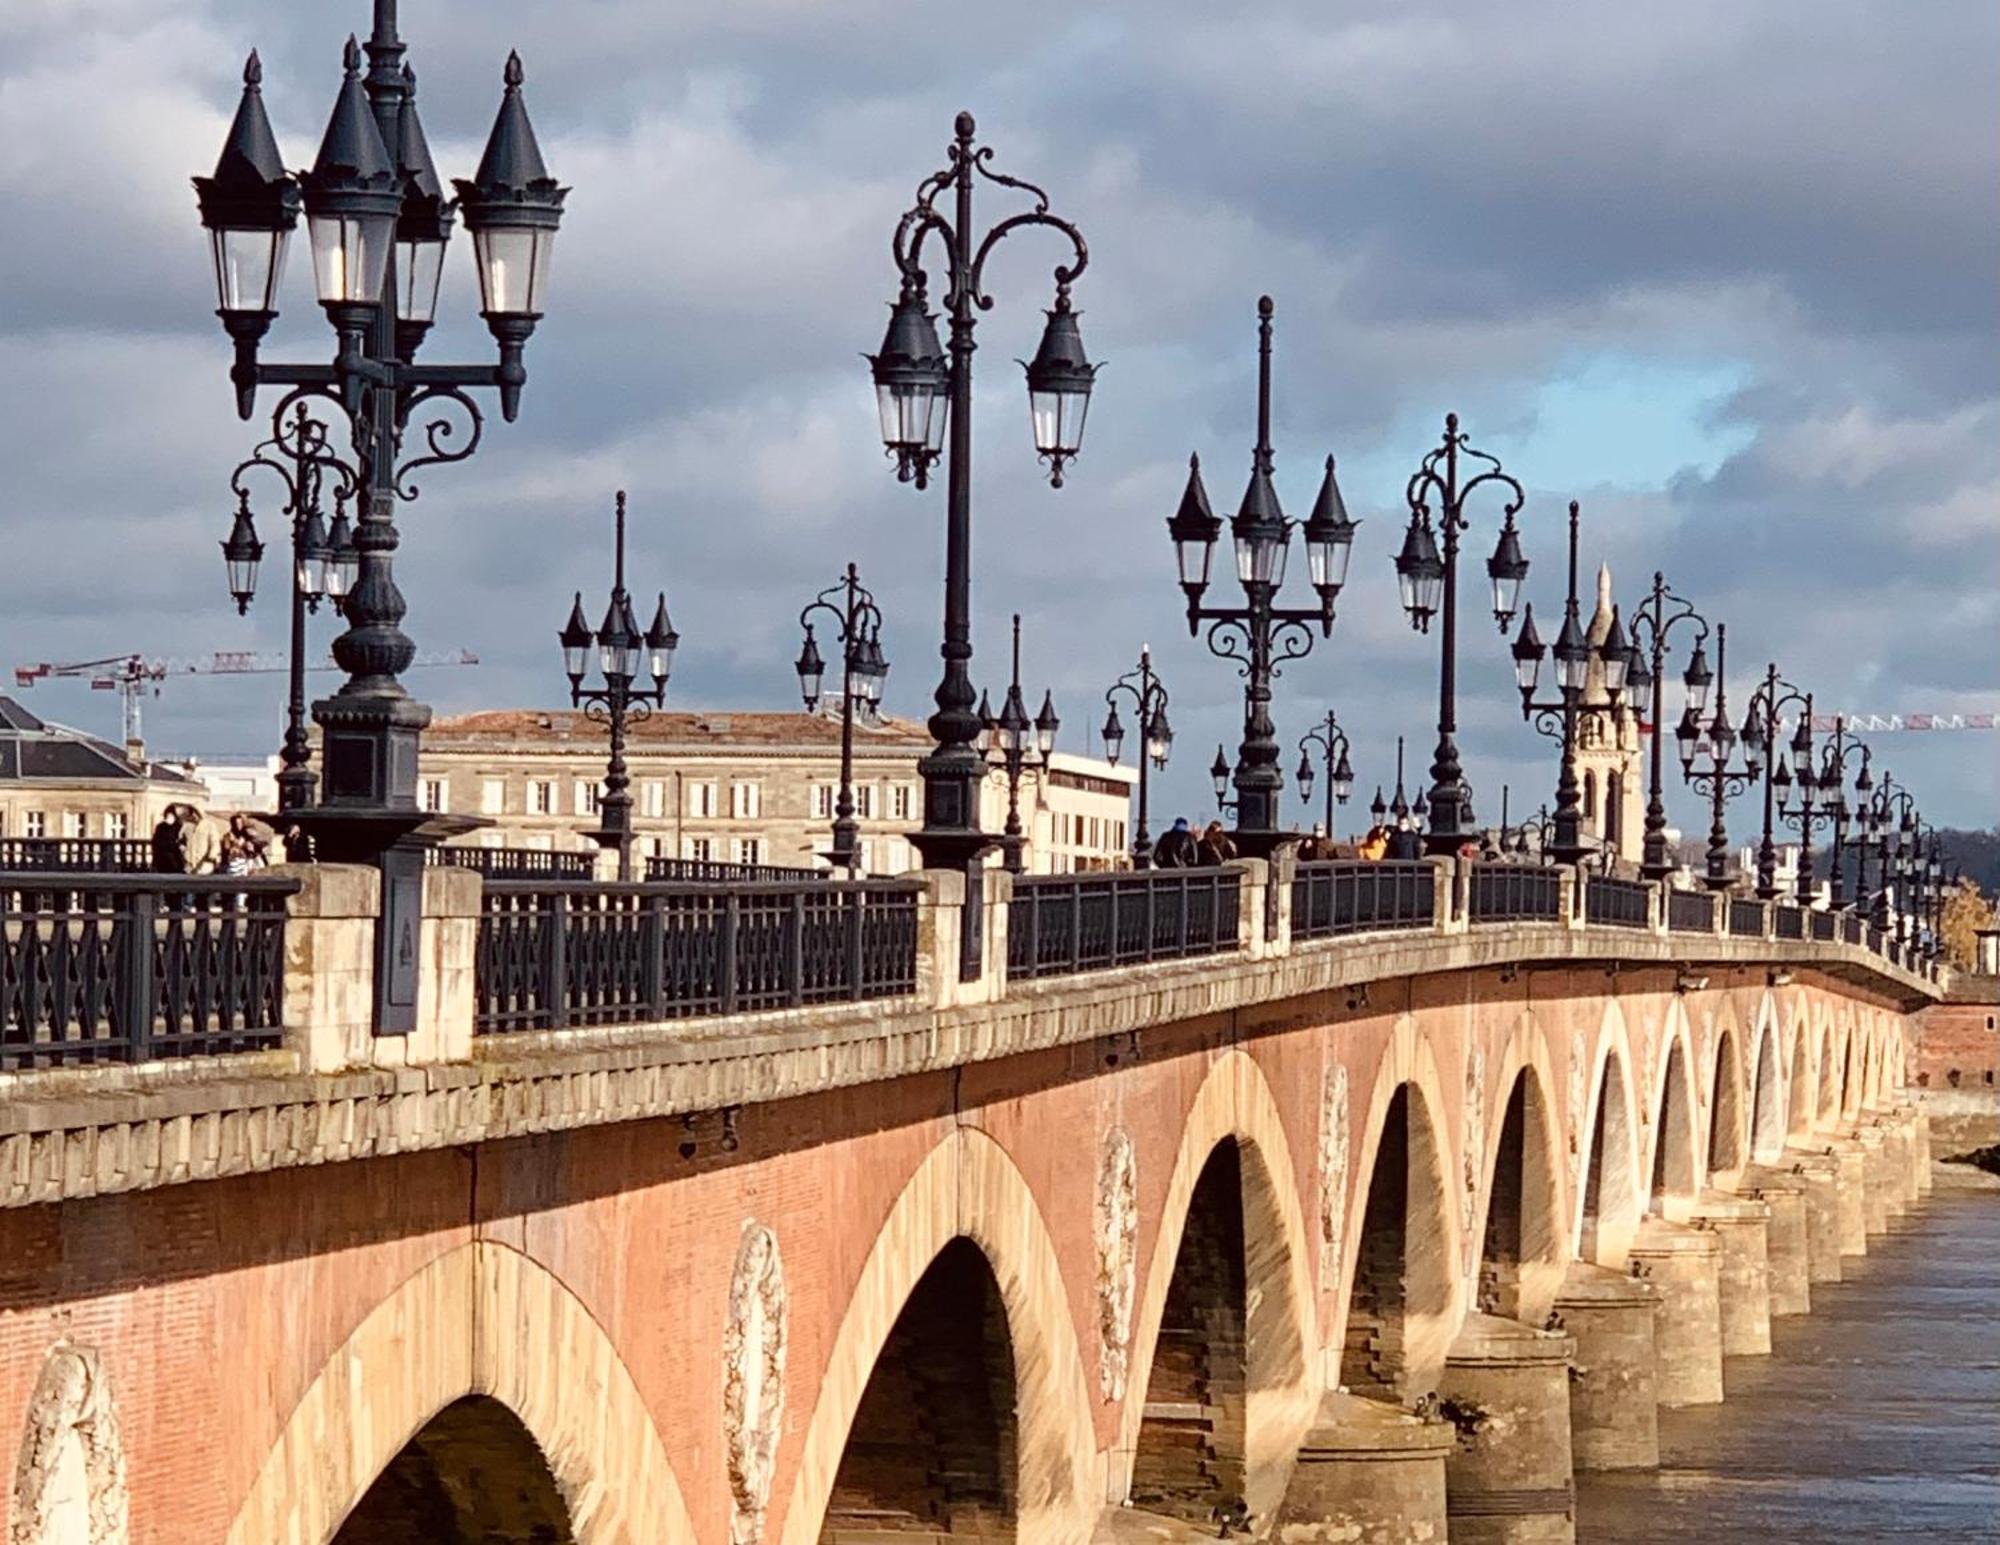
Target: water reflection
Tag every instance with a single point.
(1877, 1416)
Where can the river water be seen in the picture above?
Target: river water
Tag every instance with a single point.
(1876, 1417)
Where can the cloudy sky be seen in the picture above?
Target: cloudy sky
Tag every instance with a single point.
(1723, 271)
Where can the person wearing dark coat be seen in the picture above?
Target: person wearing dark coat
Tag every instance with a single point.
(168, 855)
(1405, 846)
(1216, 845)
(1176, 848)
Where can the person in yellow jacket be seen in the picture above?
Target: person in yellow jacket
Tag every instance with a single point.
(1375, 845)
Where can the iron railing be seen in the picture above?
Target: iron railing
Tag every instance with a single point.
(1515, 893)
(1616, 903)
(518, 863)
(1690, 911)
(1344, 896)
(710, 871)
(1825, 926)
(136, 968)
(1058, 925)
(1853, 928)
(1746, 918)
(75, 855)
(1790, 922)
(549, 957)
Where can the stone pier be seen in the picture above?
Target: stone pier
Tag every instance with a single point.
(1744, 1271)
(1818, 1174)
(1614, 1416)
(1368, 1473)
(1683, 1264)
(1505, 1389)
(1787, 1241)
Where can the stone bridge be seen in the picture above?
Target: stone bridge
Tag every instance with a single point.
(1369, 1236)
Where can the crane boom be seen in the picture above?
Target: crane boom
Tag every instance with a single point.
(129, 675)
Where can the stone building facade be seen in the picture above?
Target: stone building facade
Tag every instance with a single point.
(754, 787)
(1610, 759)
(57, 783)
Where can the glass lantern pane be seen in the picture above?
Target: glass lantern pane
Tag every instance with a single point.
(1329, 563)
(616, 660)
(538, 288)
(419, 268)
(576, 659)
(506, 259)
(1195, 557)
(1045, 417)
(249, 267)
(350, 253)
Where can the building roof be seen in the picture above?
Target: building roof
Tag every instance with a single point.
(560, 729)
(32, 749)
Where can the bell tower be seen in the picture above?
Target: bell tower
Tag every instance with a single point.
(1608, 760)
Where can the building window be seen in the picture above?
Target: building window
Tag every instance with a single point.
(492, 796)
(73, 823)
(902, 802)
(701, 800)
(653, 799)
(117, 826)
(586, 797)
(541, 796)
(34, 824)
(749, 850)
(823, 797)
(699, 849)
(434, 795)
(864, 801)
(746, 801)
(866, 848)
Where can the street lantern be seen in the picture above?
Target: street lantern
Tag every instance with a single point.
(1194, 528)
(1114, 736)
(342, 560)
(250, 207)
(1343, 781)
(1303, 776)
(1420, 573)
(1528, 652)
(1329, 538)
(1507, 568)
(618, 639)
(1047, 724)
(423, 226)
(512, 207)
(1218, 773)
(312, 558)
(1059, 382)
(1696, 679)
(1614, 658)
(241, 553)
(1261, 534)
(1572, 654)
(661, 642)
(912, 386)
(1013, 744)
(576, 640)
(352, 197)
(811, 669)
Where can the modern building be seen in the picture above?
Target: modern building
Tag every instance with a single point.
(57, 782)
(754, 787)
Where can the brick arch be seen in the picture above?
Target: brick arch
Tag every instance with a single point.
(1525, 1062)
(1282, 1374)
(1614, 1094)
(1409, 1061)
(1674, 1124)
(1802, 1051)
(1727, 1146)
(966, 1188)
(483, 1319)
(1768, 1084)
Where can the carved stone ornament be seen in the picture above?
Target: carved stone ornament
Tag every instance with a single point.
(1334, 1138)
(69, 1482)
(753, 1378)
(1117, 1260)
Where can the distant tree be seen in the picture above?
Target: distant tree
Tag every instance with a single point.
(1966, 911)
(1978, 855)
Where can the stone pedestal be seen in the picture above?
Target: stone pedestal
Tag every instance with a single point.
(1741, 1228)
(1505, 1388)
(1369, 1473)
(1897, 1167)
(1819, 1178)
(1877, 1181)
(1787, 1247)
(1683, 1264)
(1851, 1160)
(1614, 1417)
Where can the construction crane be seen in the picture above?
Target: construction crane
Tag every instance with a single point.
(1895, 723)
(132, 676)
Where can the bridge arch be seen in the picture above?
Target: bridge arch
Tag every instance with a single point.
(1608, 1200)
(1672, 1165)
(531, 1347)
(1768, 1078)
(1801, 1090)
(966, 1190)
(1727, 1126)
(1235, 1108)
(1399, 1282)
(1520, 1227)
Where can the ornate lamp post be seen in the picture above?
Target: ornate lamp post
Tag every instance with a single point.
(323, 565)
(1893, 823)
(857, 627)
(1761, 728)
(1802, 816)
(1574, 656)
(378, 224)
(1834, 755)
(1332, 742)
(1706, 750)
(1260, 635)
(620, 701)
(1149, 711)
(920, 395)
(1653, 625)
(1013, 743)
(1429, 584)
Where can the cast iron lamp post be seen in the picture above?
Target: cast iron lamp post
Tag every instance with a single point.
(1013, 743)
(1761, 729)
(1653, 625)
(1260, 635)
(1706, 751)
(1333, 746)
(323, 565)
(1893, 820)
(1428, 583)
(857, 628)
(919, 396)
(1805, 780)
(1558, 720)
(1156, 738)
(378, 223)
(1834, 755)
(620, 701)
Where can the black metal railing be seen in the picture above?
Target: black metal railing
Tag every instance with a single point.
(1515, 893)
(136, 968)
(1789, 923)
(1746, 918)
(1344, 896)
(1062, 924)
(1690, 912)
(1825, 926)
(550, 957)
(518, 863)
(75, 855)
(1853, 928)
(710, 871)
(1616, 903)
